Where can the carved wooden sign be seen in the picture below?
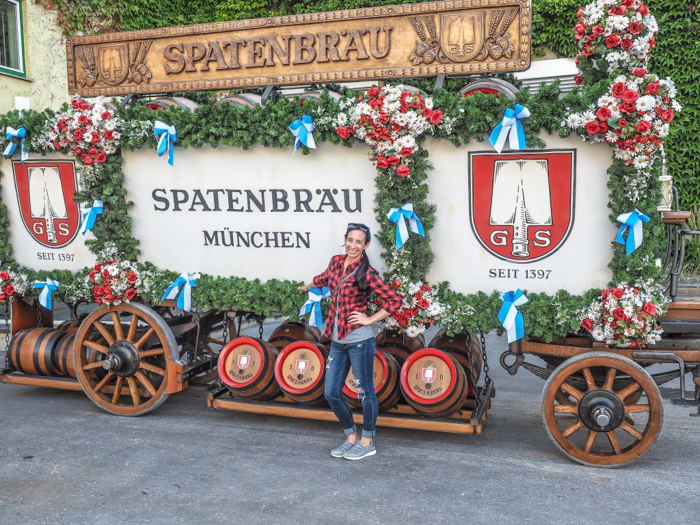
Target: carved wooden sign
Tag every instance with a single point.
(453, 38)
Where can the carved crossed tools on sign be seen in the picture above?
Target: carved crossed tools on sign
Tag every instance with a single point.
(463, 37)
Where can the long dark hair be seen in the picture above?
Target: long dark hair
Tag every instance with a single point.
(361, 273)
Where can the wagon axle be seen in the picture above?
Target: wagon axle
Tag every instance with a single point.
(601, 410)
(123, 359)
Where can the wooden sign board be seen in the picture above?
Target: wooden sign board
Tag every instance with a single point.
(453, 38)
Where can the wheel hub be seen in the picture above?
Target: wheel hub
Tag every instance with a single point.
(601, 410)
(123, 359)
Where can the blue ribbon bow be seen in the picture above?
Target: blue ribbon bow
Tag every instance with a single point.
(87, 221)
(168, 136)
(187, 281)
(301, 129)
(510, 128)
(313, 305)
(12, 144)
(398, 216)
(632, 220)
(510, 317)
(46, 296)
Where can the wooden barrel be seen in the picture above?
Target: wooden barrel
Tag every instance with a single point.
(316, 95)
(398, 345)
(247, 367)
(293, 331)
(461, 347)
(31, 351)
(64, 361)
(242, 100)
(169, 102)
(69, 326)
(433, 383)
(300, 371)
(386, 382)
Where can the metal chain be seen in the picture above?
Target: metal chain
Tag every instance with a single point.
(260, 331)
(7, 335)
(38, 317)
(224, 335)
(483, 353)
(472, 372)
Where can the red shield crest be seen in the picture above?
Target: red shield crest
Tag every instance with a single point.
(302, 365)
(243, 361)
(429, 374)
(522, 203)
(45, 191)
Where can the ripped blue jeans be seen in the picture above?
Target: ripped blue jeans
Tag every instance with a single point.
(361, 357)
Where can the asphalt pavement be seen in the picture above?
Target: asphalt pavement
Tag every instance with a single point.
(64, 461)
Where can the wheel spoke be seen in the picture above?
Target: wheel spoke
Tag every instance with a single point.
(614, 443)
(589, 440)
(96, 346)
(565, 409)
(631, 430)
(590, 383)
(96, 364)
(134, 391)
(609, 378)
(215, 341)
(152, 368)
(145, 338)
(105, 333)
(573, 428)
(622, 394)
(637, 408)
(152, 352)
(117, 390)
(145, 382)
(131, 337)
(118, 328)
(572, 391)
(104, 381)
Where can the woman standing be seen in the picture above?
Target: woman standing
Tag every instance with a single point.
(351, 279)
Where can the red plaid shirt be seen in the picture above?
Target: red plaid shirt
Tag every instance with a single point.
(347, 298)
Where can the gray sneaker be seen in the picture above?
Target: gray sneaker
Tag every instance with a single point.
(340, 451)
(358, 451)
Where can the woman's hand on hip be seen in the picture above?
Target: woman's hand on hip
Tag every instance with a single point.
(359, 318)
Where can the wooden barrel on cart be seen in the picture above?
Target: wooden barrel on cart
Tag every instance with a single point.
(32, 351)
(465, 349)
(300, 371)
(433, 382)
(63, 357)
(316, 95)
(242, 100)
(69, 326)
(386, 382)
(247, 367)
(293, 331)
(399, 345)
(169, 102)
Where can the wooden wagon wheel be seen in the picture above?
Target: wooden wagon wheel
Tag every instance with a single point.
(134, 356)
(594, 426)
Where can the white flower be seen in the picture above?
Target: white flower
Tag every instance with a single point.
(598, 334)
(574, 121)
(342, 119)
(646, 103)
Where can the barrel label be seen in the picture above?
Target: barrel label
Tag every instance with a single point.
(243, 361)
(299, 382)
(302, 365)
(430, 393)
(239, 378)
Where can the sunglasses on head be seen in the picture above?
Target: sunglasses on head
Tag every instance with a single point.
(358, 226)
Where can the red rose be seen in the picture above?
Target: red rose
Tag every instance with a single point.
(598, 30)
(425, 287)
(580, 29)
(56, 144)
(617, 10)
(403, 171)
(643, 10)
(130, 293)
(626, 44)
(105, 115)
(652, 88)
(109, 134)
(395, 284)
(8, 289)
(635, 27)
(618, 293)
(592, 127)
(406, 152)
(612, 40)
(603, 114)
(618, 89)
(423, 304)
(587, 324)
(603, 127)
(649, 309)
(4, 276)
(619, 314)
(92, 151)
(639, 72)
(83, 119)
(630, 95)
(343, 132)
(75, 103)
(402, 322)
(418, 296)
(628, 3)
(108, 297)
(373, 92)
(382, 162)
(77, 135)
(415, 104)
(384, 118)
(587, 50)
(101, 157)
(436, 117)
(622, 123)
(3, 298)
(132, 277)
(95, 137)
(643, 126)
(613, 324)
(105, 274)
(87, 159)
(668, 115)
(393, 160)
(426, 113)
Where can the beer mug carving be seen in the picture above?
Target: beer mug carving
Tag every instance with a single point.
(522, 204)
(520, 198)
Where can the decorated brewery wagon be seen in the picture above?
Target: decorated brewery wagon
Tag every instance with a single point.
(166, 222)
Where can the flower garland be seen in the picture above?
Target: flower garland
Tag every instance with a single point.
(626, 316)
(614, 34)
(389, 120)
(12, 284)
(114, 282)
